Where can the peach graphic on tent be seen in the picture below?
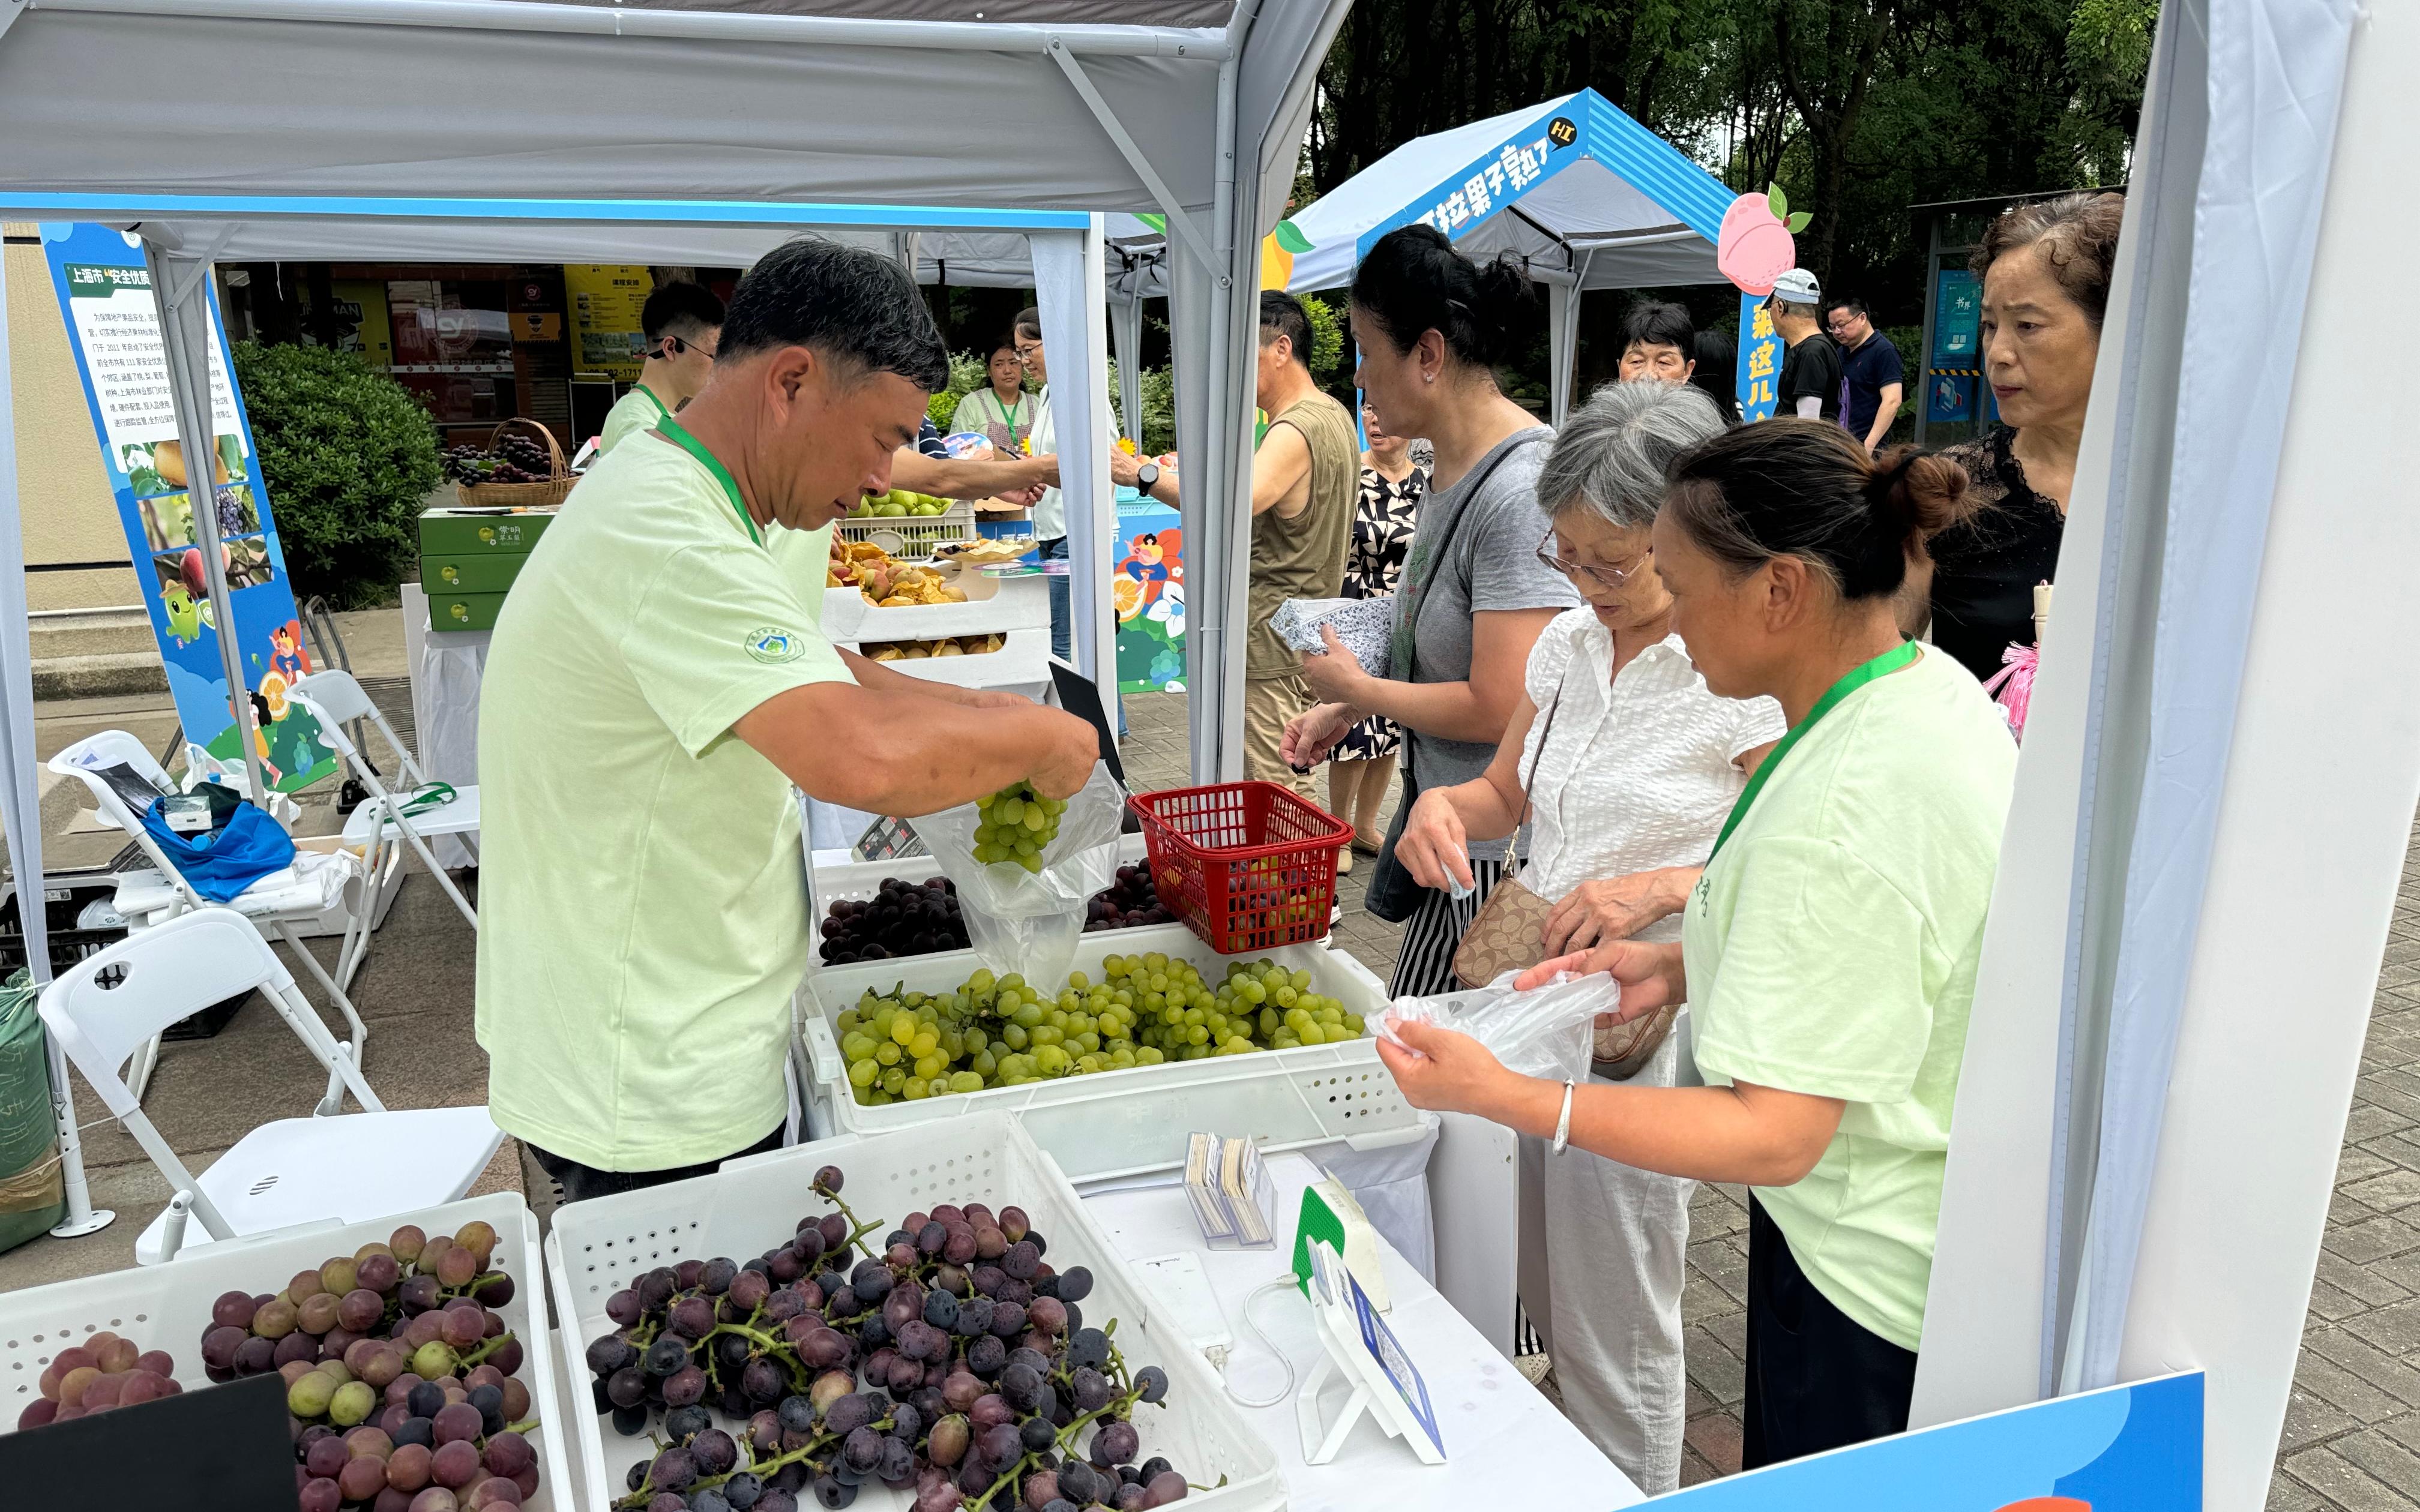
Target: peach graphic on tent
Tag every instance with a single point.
(2048, 1503)
(1754, 245)
(1279, 249)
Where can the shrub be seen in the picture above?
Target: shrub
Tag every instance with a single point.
(349, 457)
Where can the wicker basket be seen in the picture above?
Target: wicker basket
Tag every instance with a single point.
(521, 494)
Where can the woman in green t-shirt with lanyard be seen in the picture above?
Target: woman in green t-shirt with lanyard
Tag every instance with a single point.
(1003, 411)
(1828, 950)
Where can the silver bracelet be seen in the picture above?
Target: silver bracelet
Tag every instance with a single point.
(1563, 1124)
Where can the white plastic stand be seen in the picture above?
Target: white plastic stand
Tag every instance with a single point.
(1386, 1384)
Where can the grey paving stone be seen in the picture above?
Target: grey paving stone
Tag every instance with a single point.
(2372, 1239)
(1716, 1371)
(2371, 1285)
(2382, 1370)
(2346, 1392)
(2343, 1484)
(2312, 1419)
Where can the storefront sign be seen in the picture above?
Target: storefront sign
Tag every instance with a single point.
(606, 299)
(1760, 360)
(1148, 594)
(2133, 1448)
(104, 292)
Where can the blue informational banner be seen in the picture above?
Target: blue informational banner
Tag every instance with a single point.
(104, 294)
(1957, 321)
(1760, 360)
(2132, 1448)
(1147, 587)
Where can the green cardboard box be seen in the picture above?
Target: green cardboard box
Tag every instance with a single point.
(465, 532)
(463, 612)
(490, 574)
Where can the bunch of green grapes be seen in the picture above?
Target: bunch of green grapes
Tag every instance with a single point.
(1000, 1031)
(1018, 826)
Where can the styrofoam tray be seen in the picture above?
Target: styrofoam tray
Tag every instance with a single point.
(597, 1247)
(992, 604)
(1117, 1123)
(166, 1307)
(1022, 664)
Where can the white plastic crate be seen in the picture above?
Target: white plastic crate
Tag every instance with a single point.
(1022, 664)
(749, 1205)
(993, 604)
(1117, 1123)
(166, 1307)
(904, 535)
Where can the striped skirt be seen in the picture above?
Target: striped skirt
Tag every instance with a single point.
(1433, 934)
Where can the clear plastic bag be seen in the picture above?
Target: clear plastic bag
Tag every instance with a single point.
(1543, 1032)
(1031, 921)
(1366, 626)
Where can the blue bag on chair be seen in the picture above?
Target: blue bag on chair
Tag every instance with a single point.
(222, 862)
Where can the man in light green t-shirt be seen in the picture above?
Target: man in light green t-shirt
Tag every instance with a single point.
(681, 323)
(654, 687)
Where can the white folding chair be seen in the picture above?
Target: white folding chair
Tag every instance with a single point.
(335, 700)
(314, 883)
(351, 1167)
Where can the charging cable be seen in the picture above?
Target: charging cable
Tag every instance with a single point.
(1220, 1356)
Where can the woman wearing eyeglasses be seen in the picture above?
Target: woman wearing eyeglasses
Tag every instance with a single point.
(1624, 765)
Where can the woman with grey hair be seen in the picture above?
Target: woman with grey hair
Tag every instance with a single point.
(1629, 765)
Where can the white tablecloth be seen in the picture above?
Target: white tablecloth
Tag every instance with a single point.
(1506, 1446)
(446, 669)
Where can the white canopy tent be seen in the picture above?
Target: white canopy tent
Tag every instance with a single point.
(1192, 108)
(1581, 195)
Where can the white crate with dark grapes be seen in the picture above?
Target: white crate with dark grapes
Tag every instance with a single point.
(926, 1321)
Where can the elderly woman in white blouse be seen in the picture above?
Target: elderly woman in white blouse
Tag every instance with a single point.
(1626, 793)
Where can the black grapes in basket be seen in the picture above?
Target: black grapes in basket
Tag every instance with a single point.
(515, 459)
(1130, 903)
(952, 1363)
(901, 918)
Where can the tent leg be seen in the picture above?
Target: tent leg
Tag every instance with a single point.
(19, 805)
(82, 1217)
(182, 290)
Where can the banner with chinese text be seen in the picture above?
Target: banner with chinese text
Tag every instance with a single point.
(104, 292)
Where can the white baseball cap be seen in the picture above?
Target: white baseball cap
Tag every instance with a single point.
(1798, 287)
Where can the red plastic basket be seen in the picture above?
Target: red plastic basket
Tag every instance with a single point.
(1248, 866)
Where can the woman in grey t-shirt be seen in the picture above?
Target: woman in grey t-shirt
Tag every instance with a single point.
(1474, 596)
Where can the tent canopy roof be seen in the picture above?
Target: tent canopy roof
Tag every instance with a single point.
(830, 101)
(1574, 188)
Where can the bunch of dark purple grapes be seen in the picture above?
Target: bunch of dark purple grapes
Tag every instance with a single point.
(469, 464)
(901, 918)
(1130, 903)
(953, 1364)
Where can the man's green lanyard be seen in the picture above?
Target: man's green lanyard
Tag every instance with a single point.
(670, 429)
(649, 395)
(1881, 666)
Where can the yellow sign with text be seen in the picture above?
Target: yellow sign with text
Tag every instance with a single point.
(606, 299)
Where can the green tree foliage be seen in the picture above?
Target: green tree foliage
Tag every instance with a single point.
(1857, 108)
(1325, 358)
(349, 457)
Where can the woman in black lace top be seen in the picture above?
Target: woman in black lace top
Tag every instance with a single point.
(2045, 274)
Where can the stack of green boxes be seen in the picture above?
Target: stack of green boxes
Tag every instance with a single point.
(469, 559)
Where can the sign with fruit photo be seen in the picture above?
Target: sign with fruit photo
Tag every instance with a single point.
(104, 294)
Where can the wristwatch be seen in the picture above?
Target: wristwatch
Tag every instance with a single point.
(1147, 476)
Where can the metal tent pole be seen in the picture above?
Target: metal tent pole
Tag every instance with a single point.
(21, 808)
(180, 289)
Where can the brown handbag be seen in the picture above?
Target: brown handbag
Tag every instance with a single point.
(1507, 934)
